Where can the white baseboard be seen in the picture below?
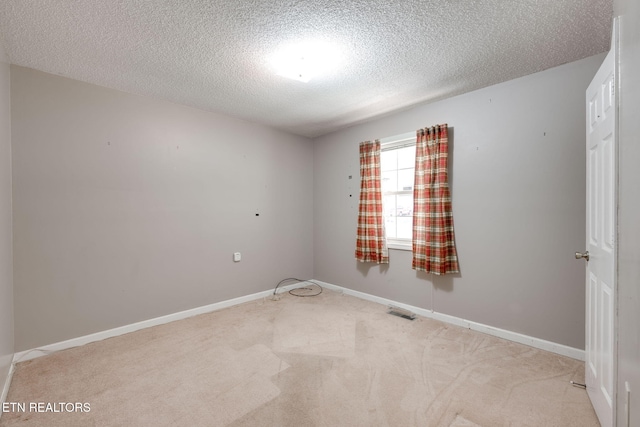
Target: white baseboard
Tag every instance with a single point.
(5, 388)
(490, 330)
(98, 336)
(561, 349)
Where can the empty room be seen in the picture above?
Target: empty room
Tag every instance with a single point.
(343, 213)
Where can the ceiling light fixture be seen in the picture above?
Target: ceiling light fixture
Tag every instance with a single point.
(306, 60)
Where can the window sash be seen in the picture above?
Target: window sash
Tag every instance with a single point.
(395, 143)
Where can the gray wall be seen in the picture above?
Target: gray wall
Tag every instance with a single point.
(6, 271)
(629, 212)
(518, 188)
(128, 208)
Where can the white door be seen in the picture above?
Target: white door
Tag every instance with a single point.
(601, 240)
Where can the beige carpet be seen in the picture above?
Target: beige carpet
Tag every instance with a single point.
(330, 360)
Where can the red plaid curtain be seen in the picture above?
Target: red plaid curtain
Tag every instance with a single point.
(371, 241)
(434, 249)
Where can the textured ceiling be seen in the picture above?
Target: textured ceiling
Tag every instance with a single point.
(215, 54)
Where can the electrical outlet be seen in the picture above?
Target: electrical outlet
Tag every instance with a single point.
(237, 257)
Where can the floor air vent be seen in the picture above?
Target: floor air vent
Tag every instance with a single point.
(401, 312)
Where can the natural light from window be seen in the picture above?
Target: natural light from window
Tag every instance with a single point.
(397, 164)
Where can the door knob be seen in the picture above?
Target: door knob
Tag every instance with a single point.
(584, 255)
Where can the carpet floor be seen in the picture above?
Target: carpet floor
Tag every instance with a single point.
(329, 360)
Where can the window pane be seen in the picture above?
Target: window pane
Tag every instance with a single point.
(397, 173)
(405, 179)
(389, 160)
(404, 205)
(389, 180)
(390, 226)
(404, 227)
(406, 157)
(389, 204)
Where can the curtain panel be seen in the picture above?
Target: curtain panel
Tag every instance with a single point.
(434, 249)
(371, 241)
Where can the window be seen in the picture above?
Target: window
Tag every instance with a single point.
(397, 165)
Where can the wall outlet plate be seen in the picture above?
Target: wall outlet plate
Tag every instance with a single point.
(237, 257)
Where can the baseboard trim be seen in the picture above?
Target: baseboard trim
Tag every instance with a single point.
(5, 388)
(34, 353)
(541, 344)
(490, 330)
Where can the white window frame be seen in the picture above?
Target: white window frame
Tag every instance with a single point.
(394, 143)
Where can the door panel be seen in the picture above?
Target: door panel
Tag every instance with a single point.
(600, 239)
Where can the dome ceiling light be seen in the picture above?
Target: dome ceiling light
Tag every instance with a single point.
(307, 60)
